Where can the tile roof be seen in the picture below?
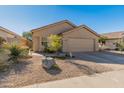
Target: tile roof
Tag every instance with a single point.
(113, 35)
(10, 32)
(83, 26)
(54, 24)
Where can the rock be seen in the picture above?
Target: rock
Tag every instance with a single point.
(48, 62)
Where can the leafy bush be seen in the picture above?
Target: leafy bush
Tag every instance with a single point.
(27, 35)
(54, 43)
(47, 50)
(102, 40)
(120, 46)
(6, 46)
(25, 51)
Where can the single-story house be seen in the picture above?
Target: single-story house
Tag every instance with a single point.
(113, 38)
(11, 37)
(74, 38)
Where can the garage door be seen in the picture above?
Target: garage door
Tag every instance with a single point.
(80, 45)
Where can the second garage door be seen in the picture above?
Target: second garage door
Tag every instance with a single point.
(80, 45)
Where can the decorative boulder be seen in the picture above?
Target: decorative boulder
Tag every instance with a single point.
(48, 62)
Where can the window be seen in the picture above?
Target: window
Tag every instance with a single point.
(44, 39)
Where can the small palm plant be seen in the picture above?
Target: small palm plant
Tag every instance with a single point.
(15, 53)
(101, 41)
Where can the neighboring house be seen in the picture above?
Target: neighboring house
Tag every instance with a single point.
(74, 38)
(12, 37)
(113, 38)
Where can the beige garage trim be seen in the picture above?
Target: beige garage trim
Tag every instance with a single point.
(79, 45)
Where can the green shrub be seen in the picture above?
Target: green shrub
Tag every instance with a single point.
(47, 50)
(102, 40)
(17, 52)
(27, 35)
(6, 45)
(24, 52)
(120, 46)
(54, 43)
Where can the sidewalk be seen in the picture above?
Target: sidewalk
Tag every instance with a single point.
(112, 79)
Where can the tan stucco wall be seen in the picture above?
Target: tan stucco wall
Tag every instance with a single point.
(88, 38)
(44, 33)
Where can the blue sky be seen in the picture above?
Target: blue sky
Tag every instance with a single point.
(102, 19)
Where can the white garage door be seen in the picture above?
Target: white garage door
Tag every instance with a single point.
(80, 45)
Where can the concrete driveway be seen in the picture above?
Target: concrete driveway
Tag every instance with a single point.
(100, 57)
(112, 79)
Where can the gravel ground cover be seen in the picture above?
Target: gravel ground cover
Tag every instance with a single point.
(30, 71)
